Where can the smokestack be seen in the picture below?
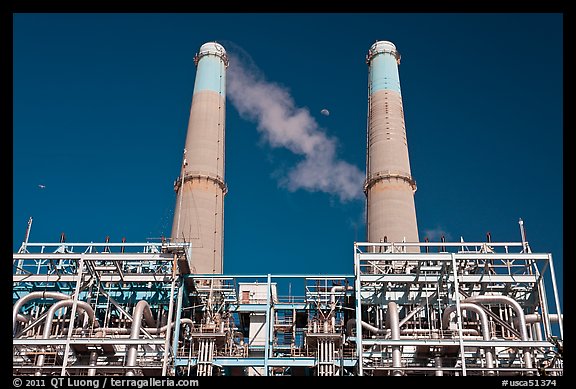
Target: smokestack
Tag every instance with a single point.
(389, 186)
(199, 211)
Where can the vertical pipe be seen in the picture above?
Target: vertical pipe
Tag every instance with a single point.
(556, 299)
(75, 303)
(320, 357)
(393, 322)
(537, 331)
(268, 326)
(178, 317)
(437, 358)
(141, 310)
(458, 311)
(389, 186)
(93, 361)
(169, 324)
(358, 312)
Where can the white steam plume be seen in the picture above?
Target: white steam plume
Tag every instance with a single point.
(283, 124)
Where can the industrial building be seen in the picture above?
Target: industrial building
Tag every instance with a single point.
(478, 308)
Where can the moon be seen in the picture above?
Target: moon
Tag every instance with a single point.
(325, 112)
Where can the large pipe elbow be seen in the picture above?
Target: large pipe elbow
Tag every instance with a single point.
(503, 300)
(34, 296)
(66, 303)
(483, 323)
(142, 310)
(50, 318)
(521, 319)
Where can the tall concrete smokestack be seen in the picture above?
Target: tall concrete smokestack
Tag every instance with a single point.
(389, 187)
(199, 211)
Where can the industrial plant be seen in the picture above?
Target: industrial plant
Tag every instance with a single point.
(411, 307)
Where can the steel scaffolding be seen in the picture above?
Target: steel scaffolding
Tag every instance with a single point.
(477, 308)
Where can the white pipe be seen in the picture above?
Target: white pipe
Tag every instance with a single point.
(141, 310)
(393, 322)
(484, 324)
(537, 331)
(437, 359)
(320, 356)
(151, 330)
(33, 296)
(519, 313)
(536, 317)
(50, 318)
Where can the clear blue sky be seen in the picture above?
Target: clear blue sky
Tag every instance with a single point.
(101, 105)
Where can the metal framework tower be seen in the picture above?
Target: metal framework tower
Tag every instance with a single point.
(199, 211)
(389, 187)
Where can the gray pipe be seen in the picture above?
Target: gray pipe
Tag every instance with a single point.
(93, 362)
(337, 288)
(484, 324)
(50, 318)
(351, 324)
(22, 318)
(519, 313)
(536, 317)
(152, 331)
(141, 310)
(393, 322)
(437, 359)
(33, 296)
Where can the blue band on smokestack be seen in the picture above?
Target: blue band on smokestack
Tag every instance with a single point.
(383, 59)
(211, 74)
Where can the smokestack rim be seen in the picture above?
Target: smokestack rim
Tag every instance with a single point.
(381, 47)
(212, 48)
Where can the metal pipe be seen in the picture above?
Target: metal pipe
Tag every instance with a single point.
(151, 330)
(350, 324)
(437, 358)
(519, 313)
(33, 296)
(393, 322)
(484, 324)
(536, 317)
(408, 331)
(333, 290)
(22, 318)
(50, 318)
(93, 362)
(141, 310)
